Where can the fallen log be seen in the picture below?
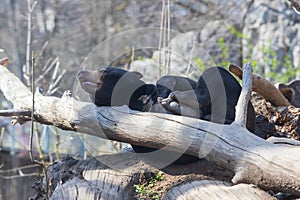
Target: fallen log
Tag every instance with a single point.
(214, 190)
(91, 179)
(252, 159)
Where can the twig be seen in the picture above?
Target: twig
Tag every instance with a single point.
(1, 137)
(132, 54)
(19, 176)
(8, 113)
(54, 86)
(42, 164)
(295, 5)
(242, 105)
(16, 141)
(54, 74)
(161, 33)
(191, 57)
(12, 170)
(47, 69)
(30, 9)
(41, 51)
(32, 112)
(48, 63)
(57, 136)
(169, 36)
(38, 144)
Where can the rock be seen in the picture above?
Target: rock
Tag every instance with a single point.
(274, 31)
(264, 128)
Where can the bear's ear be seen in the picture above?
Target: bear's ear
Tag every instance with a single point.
(288, 93)
(281, 86)
(295, 85)
(136, 74)
(285, 90)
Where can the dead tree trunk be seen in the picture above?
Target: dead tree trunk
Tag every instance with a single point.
(252, 159)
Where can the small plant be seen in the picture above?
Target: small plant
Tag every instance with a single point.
(154, 180)
(140, 189)
(225, 52)
(236, 32)
(141, 58)
(287, 71)
(279, 71)
(200, 64)
(247, 43)
(145, 190)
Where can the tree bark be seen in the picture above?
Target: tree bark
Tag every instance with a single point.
(214, 190)
(252, 159)
(99, 179)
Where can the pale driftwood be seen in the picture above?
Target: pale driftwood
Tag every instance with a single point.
(263, 87)
(15, 113)
(241, 111)
(98, 179)
(215, 190)
(254, 160)
(91, 179)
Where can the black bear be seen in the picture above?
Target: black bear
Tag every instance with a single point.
(112, 86)
(215, 96)
(116, 87)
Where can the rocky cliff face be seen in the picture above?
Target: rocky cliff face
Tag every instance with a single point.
(275, 32)
(265, 34)
(219, 31)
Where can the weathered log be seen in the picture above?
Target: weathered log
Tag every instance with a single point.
(254, 160)
(214, 190)
(91, 179)
(263, 87)
(241, 111)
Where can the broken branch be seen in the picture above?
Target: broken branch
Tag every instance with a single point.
(263, 87)
(242, 105)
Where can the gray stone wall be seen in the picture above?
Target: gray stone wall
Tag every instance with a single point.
(72, 29)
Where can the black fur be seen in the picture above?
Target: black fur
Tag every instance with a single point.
(209, 90)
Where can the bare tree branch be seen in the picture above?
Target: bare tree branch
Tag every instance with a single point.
(263, 87)
(242, 105)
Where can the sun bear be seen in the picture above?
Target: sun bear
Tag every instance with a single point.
(116, 87)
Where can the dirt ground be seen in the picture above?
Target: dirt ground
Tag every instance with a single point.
(177, 174)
